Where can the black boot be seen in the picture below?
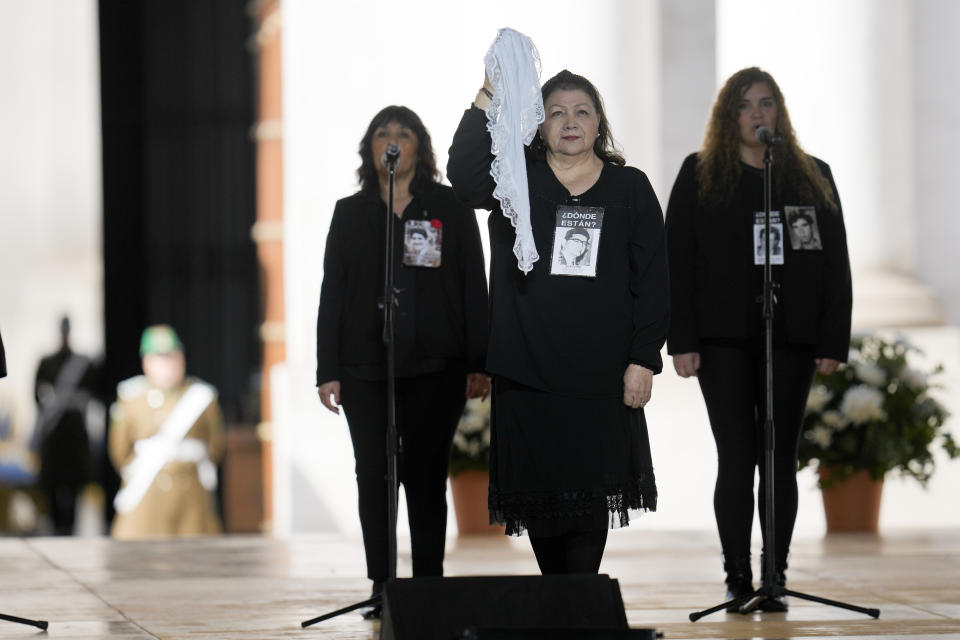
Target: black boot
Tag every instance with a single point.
(776, 604)
(374, 611)
(739, 580)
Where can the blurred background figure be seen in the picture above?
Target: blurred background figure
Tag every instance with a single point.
(166, 436)
(65, 387)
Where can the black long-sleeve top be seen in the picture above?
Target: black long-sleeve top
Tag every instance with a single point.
(714, 283)
(569, 335)
(441, 318)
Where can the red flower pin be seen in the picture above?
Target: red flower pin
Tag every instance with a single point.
(435, 223)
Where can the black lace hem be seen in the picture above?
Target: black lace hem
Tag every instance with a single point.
(517, 510)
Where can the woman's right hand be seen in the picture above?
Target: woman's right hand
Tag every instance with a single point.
(686, 364)
(328, 389)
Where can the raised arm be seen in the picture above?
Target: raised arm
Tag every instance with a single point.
(468, 167)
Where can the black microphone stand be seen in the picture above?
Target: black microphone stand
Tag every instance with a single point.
(768, 586)
(389, 305)
(39, 624)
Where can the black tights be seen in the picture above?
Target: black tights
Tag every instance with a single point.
(573, 552)
(732, 383)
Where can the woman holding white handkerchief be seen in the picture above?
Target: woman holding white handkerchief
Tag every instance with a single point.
(573, 345)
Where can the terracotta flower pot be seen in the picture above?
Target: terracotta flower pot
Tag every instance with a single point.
(852, 505)
(470, 503)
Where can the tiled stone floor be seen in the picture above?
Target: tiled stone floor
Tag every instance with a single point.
(259, 587)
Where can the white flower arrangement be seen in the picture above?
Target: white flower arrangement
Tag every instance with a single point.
(862, 403)
(471, 442)
(876, 414)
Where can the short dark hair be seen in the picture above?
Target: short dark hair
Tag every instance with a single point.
(419, 230)
(773, 231)
(577, 231)
(801, 215)
(604, 146)
(426, 173)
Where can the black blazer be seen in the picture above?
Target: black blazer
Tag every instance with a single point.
(714, 283)
(441, 321)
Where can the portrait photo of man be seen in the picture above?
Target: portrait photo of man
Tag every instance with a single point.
(776, 245)
(420, 242)
(804, 233)
(573, 252)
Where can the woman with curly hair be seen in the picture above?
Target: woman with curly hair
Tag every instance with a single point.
(716, 322)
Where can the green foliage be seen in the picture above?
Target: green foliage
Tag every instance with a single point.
(875, 414)
(471, 442)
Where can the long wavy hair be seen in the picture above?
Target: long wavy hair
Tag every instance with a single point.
(604, 146)
(719, 168)
(425, 174)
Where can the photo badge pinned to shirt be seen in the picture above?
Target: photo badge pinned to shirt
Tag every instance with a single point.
(423, 243)
(803, 228)
(576, 241)
(776, 238)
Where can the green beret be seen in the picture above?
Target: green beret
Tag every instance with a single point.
(159, 339)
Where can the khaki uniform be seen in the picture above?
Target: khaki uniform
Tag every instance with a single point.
(176, 504)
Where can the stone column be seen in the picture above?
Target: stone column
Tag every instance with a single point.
(267, 232)
(846, 72)
(936, 104)
(688, 82)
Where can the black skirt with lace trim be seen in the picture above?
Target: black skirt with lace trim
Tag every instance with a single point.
(560, 464)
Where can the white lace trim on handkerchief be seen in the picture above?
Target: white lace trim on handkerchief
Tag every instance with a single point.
(513, 66)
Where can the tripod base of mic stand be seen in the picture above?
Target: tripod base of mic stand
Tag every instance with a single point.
(39, 624)
(373, 601)
(749, 603)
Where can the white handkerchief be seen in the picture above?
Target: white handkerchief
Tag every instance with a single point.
(513, 66)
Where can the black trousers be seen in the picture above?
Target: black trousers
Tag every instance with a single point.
(732, 380)
(428, 409)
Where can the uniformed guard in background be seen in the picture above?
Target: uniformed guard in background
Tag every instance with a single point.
(166, 437)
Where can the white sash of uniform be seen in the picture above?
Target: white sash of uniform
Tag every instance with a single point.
(148, 462)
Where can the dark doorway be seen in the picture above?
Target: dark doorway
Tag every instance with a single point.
(179, 189)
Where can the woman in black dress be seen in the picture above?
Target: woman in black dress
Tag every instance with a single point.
(572, 351)
(715, 278)
(440, 334)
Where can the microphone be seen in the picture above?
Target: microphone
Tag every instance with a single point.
(390, 156)
(767, 137)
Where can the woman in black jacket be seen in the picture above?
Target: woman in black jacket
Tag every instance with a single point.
(440, 334)
(716, 275)
(573, 347)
